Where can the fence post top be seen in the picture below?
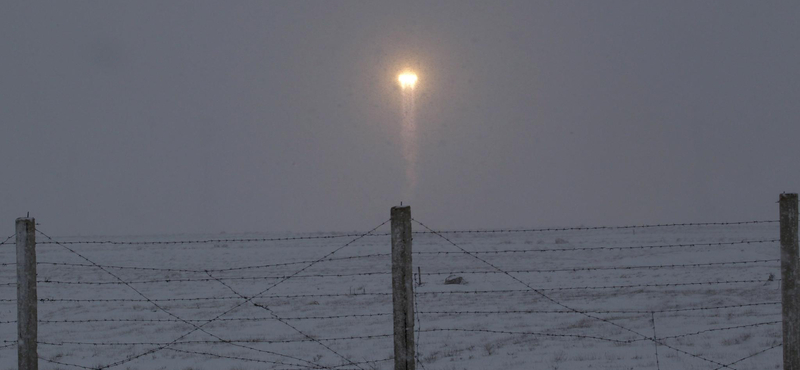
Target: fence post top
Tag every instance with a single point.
(401, 208)
(26, 219)
(789, 196)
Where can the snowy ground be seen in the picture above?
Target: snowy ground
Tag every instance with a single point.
(491, 322)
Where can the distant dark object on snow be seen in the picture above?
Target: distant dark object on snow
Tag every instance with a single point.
(452, 279)
(770, 278)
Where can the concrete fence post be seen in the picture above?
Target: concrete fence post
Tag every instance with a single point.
(402, 289)
(27, 316)
(790, 289)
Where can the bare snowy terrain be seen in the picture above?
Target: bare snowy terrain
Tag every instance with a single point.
(569, 299)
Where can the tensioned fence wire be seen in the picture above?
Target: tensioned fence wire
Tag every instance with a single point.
(198, 325)
(592, 314)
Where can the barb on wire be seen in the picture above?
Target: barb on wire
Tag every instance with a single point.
(276, 317)
(556, 302)
(145, 353)
(577, 249)
(159, 307)
(645, 226)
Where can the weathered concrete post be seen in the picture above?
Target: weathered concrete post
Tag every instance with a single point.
(790, 289)
(402, 289)
(27, 316)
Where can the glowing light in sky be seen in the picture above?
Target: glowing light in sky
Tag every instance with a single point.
(409, 131)
(407, 79)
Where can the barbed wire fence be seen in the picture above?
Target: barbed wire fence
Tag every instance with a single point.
(730, 284)
(517, 276)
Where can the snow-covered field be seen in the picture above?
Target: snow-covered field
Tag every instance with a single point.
(604, 319)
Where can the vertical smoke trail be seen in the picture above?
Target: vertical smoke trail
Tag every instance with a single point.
(409, 135)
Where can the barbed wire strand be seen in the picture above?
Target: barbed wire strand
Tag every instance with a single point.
(498, 291)
(474, 231)
(577, 249)
(655, 341)
(601, 268)
(621, 341)
(420, 253)
(718, 307)
(227, 357)
(9, 238)
(751, 356)
(534, 333)
(368, 361)
(715, 330)
(253, 360)
(580, 336)
(131, 358)
(84, 321)
(656, 285)
(65, 364)
(209, 241)
(173, 315)
(594, 311)
(212, 270)
(221, 356)
(274, 315)
(644, 226)
(540, 293)
(60, 282)
(184, 342)
(484, 272)
(450, 313)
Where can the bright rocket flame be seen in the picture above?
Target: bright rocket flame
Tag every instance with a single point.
(407, 79)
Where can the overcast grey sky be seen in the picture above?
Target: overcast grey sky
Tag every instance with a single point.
(151, 117)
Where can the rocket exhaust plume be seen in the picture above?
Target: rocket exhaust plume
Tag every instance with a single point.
(409, 131)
